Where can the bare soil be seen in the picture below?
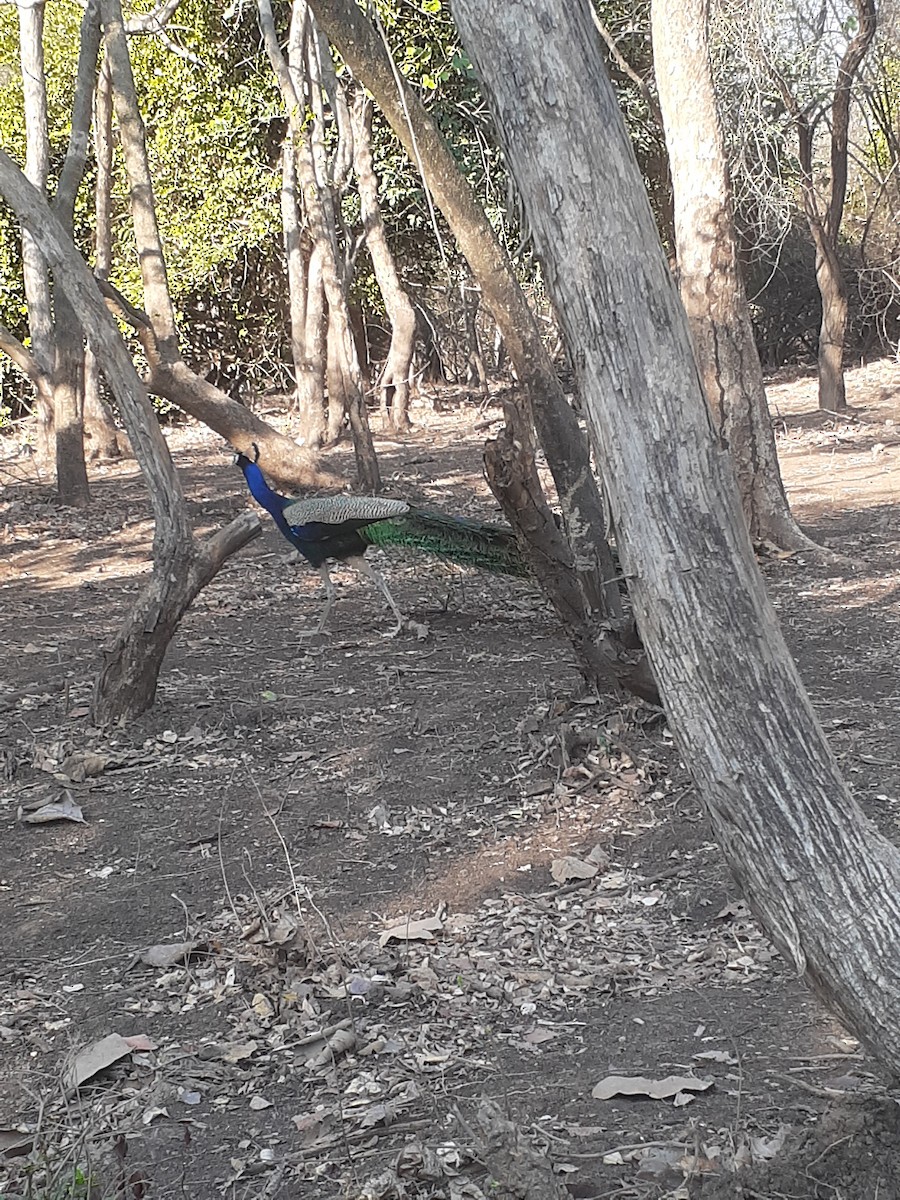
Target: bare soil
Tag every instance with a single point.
(332, 888)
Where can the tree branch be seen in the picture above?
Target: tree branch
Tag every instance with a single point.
(628, 70)
(26, 362)
(85, 85)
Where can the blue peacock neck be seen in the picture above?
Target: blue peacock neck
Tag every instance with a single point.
(263, 494)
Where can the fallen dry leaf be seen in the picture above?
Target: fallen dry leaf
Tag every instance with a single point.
(564, 869)
(102, 1054)
(64, 809)
(422, 930)
(656, 1089)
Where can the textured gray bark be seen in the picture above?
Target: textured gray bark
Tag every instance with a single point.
(709, 273)
(393, 383)
(824, 882)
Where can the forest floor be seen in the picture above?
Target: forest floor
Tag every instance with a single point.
(382, 918)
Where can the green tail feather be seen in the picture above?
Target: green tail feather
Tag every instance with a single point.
(470, 543)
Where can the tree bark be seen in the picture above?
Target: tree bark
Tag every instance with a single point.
(170, 377)
(393, 382)
(825, 222)
(106, 441)
(127, 683)
(709, 273)
(823, 881)
(309, 374)
(558, 430)
(321, 229)
(511, 471)
(69, 348)
(37, 166)
(99, 425)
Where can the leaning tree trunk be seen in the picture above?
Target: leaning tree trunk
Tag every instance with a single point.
(824, 882)
(564, 444)
(127, 683)
(709, 273)
(393, 383)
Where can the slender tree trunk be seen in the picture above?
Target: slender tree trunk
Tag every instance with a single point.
(68, 370)
(309, 375)
(37, 165)
(824, 215)
(833, 330)
(709, 274)
(340, 333)
(68, 406)
(475, 372)
(823, 881)
(393, 383)
(558, 430)
(512, 473)
(100, 427)
(170, 377)
(317, 335)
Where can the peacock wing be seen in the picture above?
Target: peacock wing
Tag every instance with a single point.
(335, 510)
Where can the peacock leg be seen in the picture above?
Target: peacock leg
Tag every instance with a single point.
(362, 564)
(330, 593)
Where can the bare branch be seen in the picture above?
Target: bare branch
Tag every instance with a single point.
(627, 69)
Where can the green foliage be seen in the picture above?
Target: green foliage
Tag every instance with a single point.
(214, 127)
(214, 123)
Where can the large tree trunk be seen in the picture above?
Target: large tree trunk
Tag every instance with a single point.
(709, 274)
(170, 377)
(181, 566)
(823, 881)
(564, 443)
(393, 383)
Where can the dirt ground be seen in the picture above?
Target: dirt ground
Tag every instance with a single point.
(383, 918)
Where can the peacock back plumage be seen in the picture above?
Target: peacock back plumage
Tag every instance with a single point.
(467, 542)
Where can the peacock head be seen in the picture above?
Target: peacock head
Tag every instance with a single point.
(242, 460)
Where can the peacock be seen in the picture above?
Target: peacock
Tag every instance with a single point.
(342, 527)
